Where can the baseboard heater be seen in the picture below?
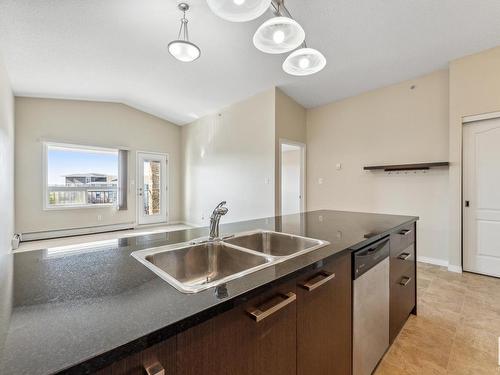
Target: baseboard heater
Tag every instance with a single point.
(50, 234)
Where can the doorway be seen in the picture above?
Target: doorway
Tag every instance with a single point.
(292, 170)
(152, 197)
(481, 197)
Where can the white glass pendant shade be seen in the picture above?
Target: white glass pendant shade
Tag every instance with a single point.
(304, 62)
(239, 10)
(183, 50)
(279, 35)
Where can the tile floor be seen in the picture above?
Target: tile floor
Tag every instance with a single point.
(457, 328)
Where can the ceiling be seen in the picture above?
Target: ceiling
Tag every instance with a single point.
(116, 50)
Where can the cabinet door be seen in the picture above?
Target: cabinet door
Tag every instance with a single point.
(156, 360)
(255, 338)
(402, 300)
(324, 320)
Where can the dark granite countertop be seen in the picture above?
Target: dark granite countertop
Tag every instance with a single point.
(74, 309)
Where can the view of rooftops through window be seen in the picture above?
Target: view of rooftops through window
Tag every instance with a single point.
(80, 176)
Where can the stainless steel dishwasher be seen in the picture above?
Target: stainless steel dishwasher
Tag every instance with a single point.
(370, 306)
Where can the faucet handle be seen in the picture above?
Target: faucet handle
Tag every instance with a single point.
(223, 203)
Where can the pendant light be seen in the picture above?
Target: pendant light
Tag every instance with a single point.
(279, 35)
(304, 61)
(239, 10)
(182, 49)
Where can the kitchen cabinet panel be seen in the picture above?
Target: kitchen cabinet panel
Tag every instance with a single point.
(150, 361)
(237, 342)
(324, 320)
(402, 279)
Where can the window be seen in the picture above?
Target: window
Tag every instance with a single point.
(80, 176)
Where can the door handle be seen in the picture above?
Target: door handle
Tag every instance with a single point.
(259, 315)
(405, 280)
(155, 369)
(404, 256)
(309, 285)
(405, 232)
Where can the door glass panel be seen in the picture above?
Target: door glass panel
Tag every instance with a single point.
(152, 186)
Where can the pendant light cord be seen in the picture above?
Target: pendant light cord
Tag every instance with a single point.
(184, 28)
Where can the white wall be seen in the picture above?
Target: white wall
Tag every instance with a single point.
(474, 90)
(6, 161)
(230, 156)
(290, 124)
(87, 123)
(390, 125)
(290, 180)
(6, 198)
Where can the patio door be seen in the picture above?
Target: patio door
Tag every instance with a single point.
(152, 197)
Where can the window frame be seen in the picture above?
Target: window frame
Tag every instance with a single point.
(45, 178)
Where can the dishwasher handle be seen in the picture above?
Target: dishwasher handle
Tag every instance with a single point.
(369, 256)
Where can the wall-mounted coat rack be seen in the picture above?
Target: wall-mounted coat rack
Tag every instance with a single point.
(407, 167)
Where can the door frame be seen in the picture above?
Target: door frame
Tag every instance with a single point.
(164, 180)
(283, 141)
(468, 121)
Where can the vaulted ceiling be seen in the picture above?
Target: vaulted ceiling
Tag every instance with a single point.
(116, 50)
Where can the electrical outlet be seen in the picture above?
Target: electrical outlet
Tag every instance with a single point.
(320, 181)
(99, 217)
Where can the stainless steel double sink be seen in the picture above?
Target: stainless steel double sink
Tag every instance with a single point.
(201, 264)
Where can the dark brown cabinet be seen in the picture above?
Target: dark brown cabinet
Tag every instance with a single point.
(324, 320)
(256, 338)
(302, 326)
(159, 359)
(402, 278)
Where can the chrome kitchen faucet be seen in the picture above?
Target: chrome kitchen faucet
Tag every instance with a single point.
(217, 213)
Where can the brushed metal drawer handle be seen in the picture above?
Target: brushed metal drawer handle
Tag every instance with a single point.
(405, 281)
(155, 369)
(404, 256)
(311, 286)
(259, 315)
(405, 232)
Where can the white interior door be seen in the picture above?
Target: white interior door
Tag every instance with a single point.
(482, 197)
(152, 197)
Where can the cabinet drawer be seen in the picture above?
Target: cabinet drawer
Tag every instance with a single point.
(402, 238)
(257, 337)
(156, 360)
(401, 261)
(402, 298)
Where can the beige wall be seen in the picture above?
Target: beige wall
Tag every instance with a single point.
(290, 123)
(6, 198)
(390, 125)
(86, 123)
(474, 89)
(230, 156)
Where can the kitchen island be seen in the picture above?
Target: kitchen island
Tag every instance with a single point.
(83, 309)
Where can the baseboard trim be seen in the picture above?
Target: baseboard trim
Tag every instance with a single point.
(435, 261)
(456, 269)
(440, 262)
(50, 234)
